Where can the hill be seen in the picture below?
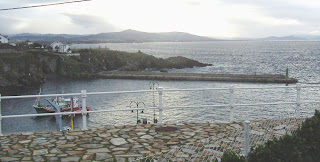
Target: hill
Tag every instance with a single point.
(123, 36)
(29, 67)
(293, 38)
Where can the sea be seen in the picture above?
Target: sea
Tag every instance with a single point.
(302, 58)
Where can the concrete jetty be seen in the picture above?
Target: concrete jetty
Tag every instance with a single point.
(134, 142)
(196, 77)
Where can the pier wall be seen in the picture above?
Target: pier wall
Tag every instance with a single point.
(197, 77)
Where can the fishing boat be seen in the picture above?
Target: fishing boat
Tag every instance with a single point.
(65, 105)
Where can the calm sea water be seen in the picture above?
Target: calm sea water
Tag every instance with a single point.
(245, 57)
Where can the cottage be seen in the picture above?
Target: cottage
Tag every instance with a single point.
(4, 39)
(60, 47)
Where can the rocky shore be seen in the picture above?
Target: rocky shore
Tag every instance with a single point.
(29, 67)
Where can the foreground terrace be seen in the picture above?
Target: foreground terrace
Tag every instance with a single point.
(177, 142)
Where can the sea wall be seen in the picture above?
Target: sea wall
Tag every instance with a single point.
(196, 77)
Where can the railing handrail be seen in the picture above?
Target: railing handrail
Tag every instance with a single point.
(231, 104)
(143, 91)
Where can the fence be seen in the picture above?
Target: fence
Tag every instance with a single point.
(232, 105)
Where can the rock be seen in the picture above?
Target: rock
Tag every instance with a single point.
(87, 157)
(120, 159)
(91, 145)
(100, 150)
(40, 152)
(52, 158)
(74, 133)
(188, 151)
(146, 137)
(8, 159)
(120, 149)
(71, 138)
(74, 152)
(118, 141)
(113, 130)
(158, 144)
(17, 146)
(172, 143)
(140, 133)
(25, 141)
(66, 146)
(55, 151)
(137, 146)
(37, 158)
(237, 126)
(85, 136)
(102, 156)
(257, 132)
(26, 159)
(279, 127)
(74, 158)
(104, 134)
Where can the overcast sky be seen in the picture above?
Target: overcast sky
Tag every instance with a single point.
(213, 18)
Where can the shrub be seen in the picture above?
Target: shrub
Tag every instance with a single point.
(303, 145)
(231, 156)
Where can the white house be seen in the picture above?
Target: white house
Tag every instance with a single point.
(3, 39)
(60, 47)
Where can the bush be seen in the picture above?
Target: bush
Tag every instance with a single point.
(303, 145)
(231, 156)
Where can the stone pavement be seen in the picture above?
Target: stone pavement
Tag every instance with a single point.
(115, 143)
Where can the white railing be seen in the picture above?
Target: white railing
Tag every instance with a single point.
(161, 106)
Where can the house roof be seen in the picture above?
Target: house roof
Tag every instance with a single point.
(4, 36)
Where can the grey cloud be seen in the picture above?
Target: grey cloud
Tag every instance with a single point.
(253, 29)
(308, 17)
(9, 27)
(22, 3)
(283, 9)
(91, 22)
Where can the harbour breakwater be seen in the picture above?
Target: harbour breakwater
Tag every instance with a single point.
(196, 77)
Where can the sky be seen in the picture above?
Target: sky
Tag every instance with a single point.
(212, 18)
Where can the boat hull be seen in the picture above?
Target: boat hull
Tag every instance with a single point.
(42, 109)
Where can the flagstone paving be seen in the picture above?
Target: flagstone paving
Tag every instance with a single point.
(117, 143)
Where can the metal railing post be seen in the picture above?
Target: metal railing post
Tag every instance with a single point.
(84, 109)
(160, 92)
(231, 103)
(298, 100)
(0, 118)
(246, 138)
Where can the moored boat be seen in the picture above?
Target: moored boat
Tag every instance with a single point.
(65, 105)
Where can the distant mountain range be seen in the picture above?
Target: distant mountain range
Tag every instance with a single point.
(298, 37)
(123, 36)
(138, 36)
